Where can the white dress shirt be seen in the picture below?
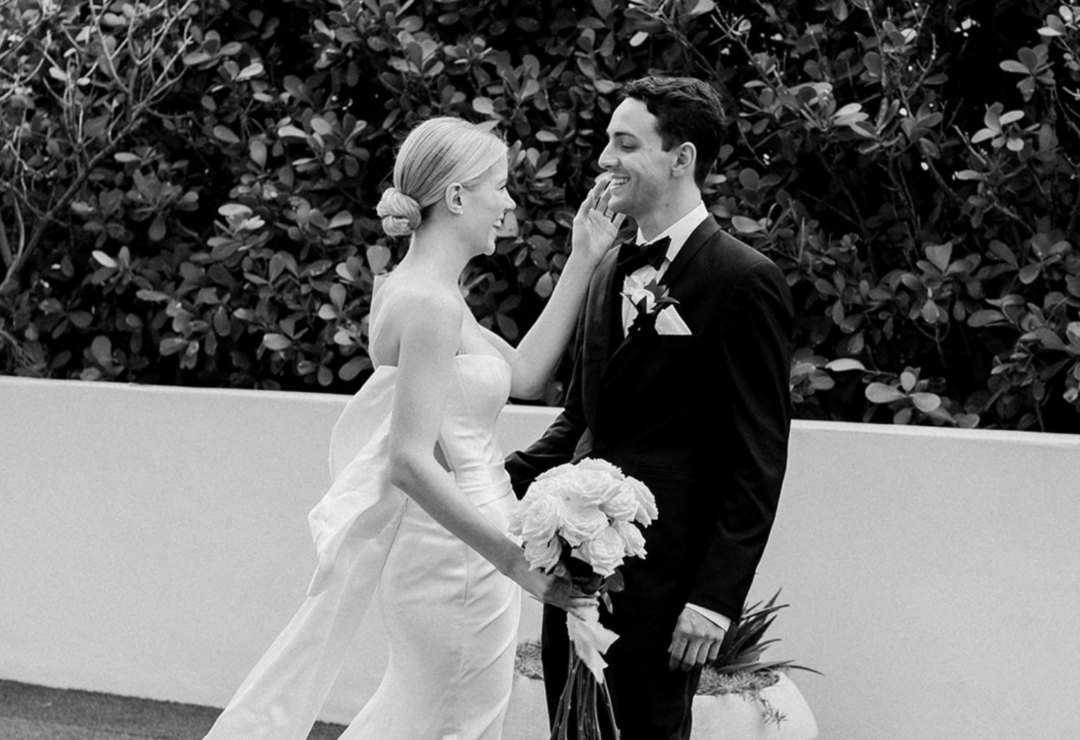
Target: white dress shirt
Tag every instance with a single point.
(678, 232)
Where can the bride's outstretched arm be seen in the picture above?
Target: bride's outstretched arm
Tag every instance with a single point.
(429, 339)
(536, 356)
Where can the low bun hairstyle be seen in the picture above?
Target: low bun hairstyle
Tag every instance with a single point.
(437, 153)
(400, 213)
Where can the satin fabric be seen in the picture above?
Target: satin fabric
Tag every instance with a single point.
(451, 617)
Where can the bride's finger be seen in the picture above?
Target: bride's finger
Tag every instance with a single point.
(599, 191)
(603, 200)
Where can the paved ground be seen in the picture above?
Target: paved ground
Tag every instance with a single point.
(38, 713)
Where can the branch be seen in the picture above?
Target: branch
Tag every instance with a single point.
(5, 246)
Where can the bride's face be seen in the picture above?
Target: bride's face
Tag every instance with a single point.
(486, 204)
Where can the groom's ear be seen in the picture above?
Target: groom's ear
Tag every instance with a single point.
(685, 159)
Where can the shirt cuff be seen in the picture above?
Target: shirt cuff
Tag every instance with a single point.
(715, 617)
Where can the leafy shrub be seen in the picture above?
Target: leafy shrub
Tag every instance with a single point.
(187, 190)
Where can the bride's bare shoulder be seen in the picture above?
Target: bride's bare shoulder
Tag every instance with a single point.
(417, 301)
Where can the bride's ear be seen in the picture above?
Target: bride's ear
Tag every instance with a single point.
(454, 201)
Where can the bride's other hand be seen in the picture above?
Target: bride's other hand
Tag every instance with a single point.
(553, 590)
(595, 226)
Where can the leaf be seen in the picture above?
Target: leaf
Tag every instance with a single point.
(157, 228)
(101, 348)
(1011, 65)
(970, 174)
(257, 152)
(1030, 273)
(224, 133)
(926, 402)
(940, 255)
(873, 62)
(378, 258)
(104, 259)
(353, 368)
(252, 70)
(746, 225)
(291, 132)
(548, 170)
(234, 210)
(544, 285)
(342, 218)
(845, 364)
(277, 342)
(908, 380)
(338, 295)
(930, 312)
(483, 106)
(197, 57)
(986, 317)
(172, 345)
(881, 393)
(848, 110)
(1011, 117)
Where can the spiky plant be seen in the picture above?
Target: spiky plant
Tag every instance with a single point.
(739, 669)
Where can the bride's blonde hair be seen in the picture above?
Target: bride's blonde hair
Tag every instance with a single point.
(437, 153)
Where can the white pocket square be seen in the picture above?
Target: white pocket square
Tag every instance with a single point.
(670, 323)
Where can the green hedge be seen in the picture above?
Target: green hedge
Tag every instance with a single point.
(187, 189)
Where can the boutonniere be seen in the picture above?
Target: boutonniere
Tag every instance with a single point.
(648, 297)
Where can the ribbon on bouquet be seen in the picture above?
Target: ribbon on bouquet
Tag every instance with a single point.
(591, 640)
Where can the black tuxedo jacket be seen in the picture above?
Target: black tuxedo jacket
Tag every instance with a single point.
(702, 420)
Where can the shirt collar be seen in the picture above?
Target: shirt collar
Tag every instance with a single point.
(680, 231)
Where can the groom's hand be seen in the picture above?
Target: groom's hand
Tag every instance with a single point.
(696, 641)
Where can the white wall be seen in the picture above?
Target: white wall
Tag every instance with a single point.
(154, 540)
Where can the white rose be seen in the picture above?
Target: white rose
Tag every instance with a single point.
(604, 553)
(632, 538)
(537, 518)
(581, 523)
(623, 506)
(593, 463)
(634, 289)
(590, 487)
(553, 473)
(543, 555)
(541, 487)
(646, 512)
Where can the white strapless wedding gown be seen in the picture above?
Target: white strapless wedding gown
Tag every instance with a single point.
(451, 616)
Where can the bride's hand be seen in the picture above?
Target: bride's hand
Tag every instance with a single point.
(556, 591)
(595, 227)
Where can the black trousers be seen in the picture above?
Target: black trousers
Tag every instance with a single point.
(651, 701)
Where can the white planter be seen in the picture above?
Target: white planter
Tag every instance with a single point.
(739, 717)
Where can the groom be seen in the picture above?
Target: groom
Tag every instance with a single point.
(690, 397)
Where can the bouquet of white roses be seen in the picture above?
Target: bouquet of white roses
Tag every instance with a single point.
(580, 521)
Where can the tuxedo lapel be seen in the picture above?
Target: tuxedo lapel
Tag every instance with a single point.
(603, 331)
(705, 230)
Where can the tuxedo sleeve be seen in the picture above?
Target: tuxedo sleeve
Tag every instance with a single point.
(558, 443)
(753, 411)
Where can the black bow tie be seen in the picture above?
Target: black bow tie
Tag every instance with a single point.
(633, 257)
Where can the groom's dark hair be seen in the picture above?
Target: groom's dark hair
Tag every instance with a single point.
(686, 109)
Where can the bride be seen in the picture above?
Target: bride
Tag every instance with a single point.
(420, 499)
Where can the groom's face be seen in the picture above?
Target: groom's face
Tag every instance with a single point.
(641, 170)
